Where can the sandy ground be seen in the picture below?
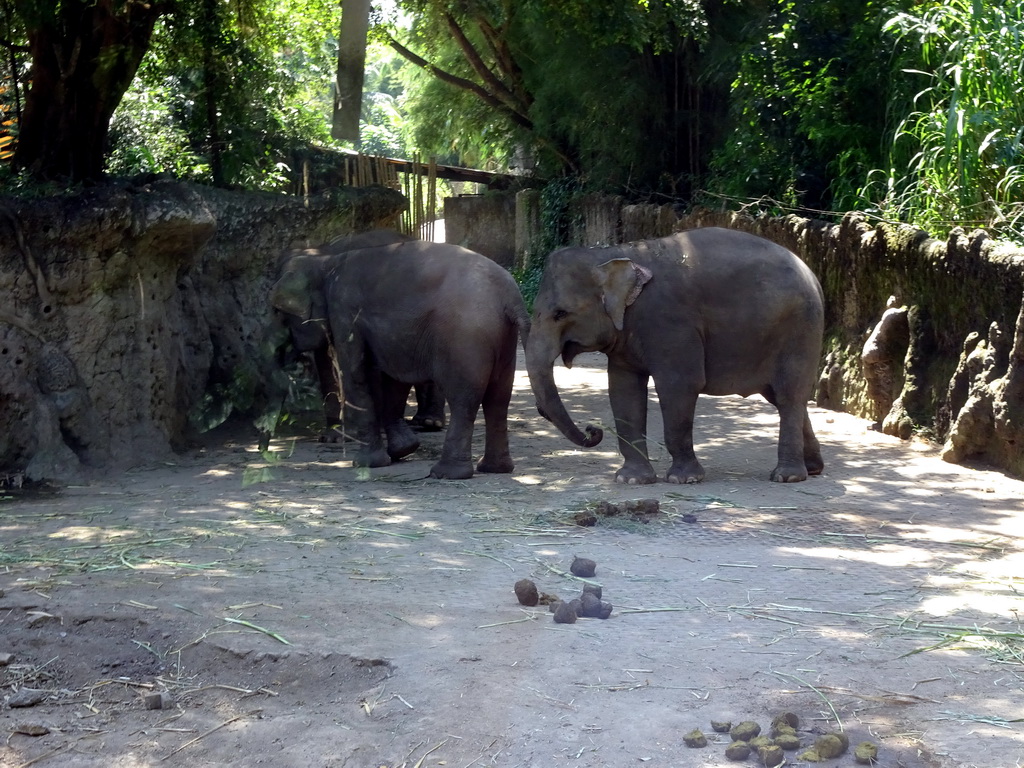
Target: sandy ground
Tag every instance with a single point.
(304, 613)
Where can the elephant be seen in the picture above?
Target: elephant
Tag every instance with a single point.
(289, 336)
(706, 311)
(409, 313)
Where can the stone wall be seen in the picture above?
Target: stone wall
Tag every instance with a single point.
(127, 311)
(483, 223)
(923, 336)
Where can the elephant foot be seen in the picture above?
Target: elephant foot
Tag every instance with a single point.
(685, 473)
(332, 434)
(377, 458)
(792, 474)
(452, 470)
(401, 442)
(502, 466)
(815, 464)
(427, 423)
(633, 475)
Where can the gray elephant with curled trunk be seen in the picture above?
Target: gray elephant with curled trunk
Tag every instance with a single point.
(290, 335)
(708, 311)
(409, 313)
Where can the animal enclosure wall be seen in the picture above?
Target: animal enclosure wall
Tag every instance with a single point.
(923, 336)
(126, 310)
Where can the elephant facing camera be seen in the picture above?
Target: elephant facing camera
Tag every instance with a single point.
(708, 311)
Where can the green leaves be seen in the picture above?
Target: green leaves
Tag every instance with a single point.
(957, 157)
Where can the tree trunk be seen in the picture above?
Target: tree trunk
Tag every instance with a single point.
(84, 57)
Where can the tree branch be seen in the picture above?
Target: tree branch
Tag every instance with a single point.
(505, 61)
(460, 82)
(497, 88)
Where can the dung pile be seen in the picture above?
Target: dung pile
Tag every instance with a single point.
(588, 605)
(746, 740)
(639, 510)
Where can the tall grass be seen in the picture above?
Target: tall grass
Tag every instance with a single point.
(957, 158)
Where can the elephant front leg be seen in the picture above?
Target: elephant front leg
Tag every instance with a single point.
(400, 437)
(628, 393)
(678, 407)
(362, 388)
(330, 392)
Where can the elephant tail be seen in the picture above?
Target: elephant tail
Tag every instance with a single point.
(518, 316)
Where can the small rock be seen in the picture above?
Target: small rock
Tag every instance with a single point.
(695, 739)
(606, 610)
(585, 519)
(738, 750)
(592, 589)
(810, 756)
(865, 753)
(526, 592)
(583, 567)
(721, 726)
(590, 606)
(689, 517)
(30, 729)
(744, 731)
(159, 700)
(565, 612)
(26, 697)
(6, 658)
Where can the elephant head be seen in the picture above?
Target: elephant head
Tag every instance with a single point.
(299, 295)
(580, 307)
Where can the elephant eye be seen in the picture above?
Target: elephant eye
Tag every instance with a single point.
(561, 314)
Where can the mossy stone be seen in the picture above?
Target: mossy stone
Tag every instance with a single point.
(788, 741)
(738, 750)
(744, 731)
(865, 753)
(759, 742)
(771, 756)
(695, 739)
(829, 745)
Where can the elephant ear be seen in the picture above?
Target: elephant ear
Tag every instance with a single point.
(621, 281)
(291, 294)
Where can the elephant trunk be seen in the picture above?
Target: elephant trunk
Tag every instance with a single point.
(540, 366)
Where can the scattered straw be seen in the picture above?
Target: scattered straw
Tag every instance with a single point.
(566, 574)
(256, 627)
(839, 723)
(216, 728)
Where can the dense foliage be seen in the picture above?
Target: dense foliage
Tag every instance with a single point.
(956, 156)
(908, 109)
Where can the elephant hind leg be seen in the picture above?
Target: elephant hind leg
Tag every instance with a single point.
(793, 423)
(401, 440)
(812, 450)
(429, 415)
(497, 458)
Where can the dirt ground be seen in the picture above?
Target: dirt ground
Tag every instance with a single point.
(300, 612)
